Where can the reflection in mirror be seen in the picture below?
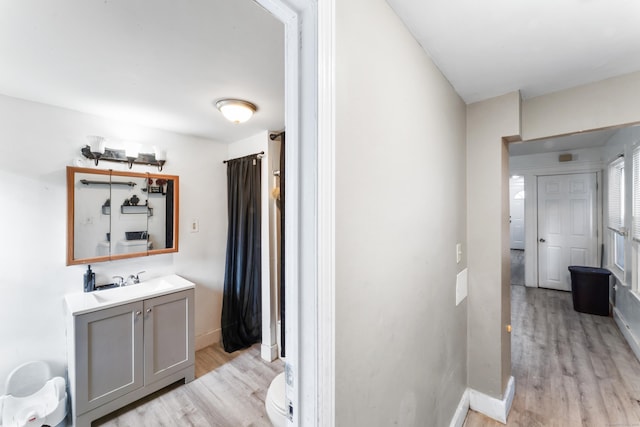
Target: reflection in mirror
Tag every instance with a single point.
(115, 215)
(90, 222)
(161, 195)
(129, 214)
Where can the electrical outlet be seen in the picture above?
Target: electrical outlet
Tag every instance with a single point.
(195, 225)
(458, 252)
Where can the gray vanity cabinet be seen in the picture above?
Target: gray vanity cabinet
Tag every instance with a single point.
(125, 352)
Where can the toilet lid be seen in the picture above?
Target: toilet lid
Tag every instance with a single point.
(278, 392)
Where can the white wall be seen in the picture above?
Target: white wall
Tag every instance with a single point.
(610, 102)
(400, 210)
(488, 122)
(37, 143)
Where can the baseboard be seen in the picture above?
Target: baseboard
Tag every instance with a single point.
(269, 352)
(492, 407)
(208, 338)
(628, 335)
(461, 411)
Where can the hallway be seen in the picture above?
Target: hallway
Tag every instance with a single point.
(570, 368)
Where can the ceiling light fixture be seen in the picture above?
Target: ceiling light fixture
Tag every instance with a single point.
(236, 110)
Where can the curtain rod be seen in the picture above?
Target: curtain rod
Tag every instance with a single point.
(260, 154)
(273, 136)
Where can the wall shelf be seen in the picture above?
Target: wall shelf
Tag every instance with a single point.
(129, 210)
(135, 209)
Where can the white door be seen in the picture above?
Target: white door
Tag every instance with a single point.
(516, 212)
(566, 227)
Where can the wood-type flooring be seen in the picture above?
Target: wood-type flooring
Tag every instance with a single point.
(229, 391)
(571, 369)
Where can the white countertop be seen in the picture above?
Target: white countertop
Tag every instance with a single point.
(86, 302)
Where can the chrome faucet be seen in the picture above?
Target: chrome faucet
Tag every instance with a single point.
(134, 279)
(119, 280)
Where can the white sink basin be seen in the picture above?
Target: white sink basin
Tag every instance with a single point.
(85, 302)
(127, 292)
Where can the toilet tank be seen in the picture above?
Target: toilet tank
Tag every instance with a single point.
(132, 246)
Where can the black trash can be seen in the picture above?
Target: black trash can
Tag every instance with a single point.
(590, 289)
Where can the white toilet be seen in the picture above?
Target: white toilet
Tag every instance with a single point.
(276, 402)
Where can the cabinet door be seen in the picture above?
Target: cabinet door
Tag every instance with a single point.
(168, 335)
(109, 354)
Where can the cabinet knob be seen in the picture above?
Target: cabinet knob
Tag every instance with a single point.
(138, 313)
(148, 310)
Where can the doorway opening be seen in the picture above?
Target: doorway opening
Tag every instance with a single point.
(562, 179)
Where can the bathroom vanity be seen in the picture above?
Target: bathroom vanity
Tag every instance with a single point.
(128, 342)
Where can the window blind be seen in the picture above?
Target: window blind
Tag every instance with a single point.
(616, 195)
(636, 194)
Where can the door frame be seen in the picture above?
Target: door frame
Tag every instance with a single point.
(309, 226)
(531, 175)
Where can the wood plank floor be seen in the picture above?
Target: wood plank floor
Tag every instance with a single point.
(229, 391)
(571, 369)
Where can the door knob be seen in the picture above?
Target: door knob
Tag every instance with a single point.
(542, 240)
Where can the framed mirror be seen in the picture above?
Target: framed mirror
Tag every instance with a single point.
(115, 215)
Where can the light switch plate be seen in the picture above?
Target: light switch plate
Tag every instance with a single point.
(461, 286)
(195, 225)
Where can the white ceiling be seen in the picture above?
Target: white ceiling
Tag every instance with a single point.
(162, 63)
(492, 47)
(159, 63)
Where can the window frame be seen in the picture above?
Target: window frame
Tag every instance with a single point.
(616, 213)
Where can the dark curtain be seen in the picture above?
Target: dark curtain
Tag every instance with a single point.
(241, 300)
(282, 257)
(168, 226)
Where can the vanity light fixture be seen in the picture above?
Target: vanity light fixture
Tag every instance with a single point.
(97, 151)
(132, 155)
(161, 157)
(236, 110)
(96, 147)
